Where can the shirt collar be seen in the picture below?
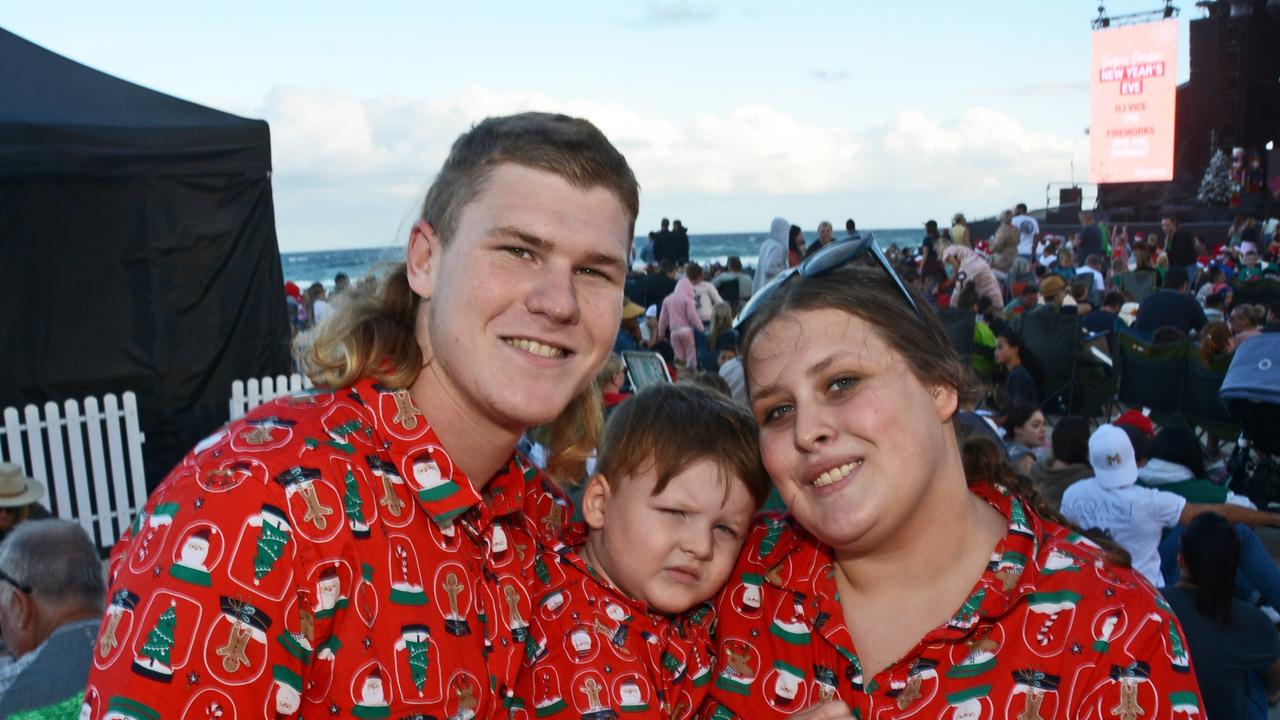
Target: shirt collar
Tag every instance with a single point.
(1001, 585)
(569, 551)
(445, 491)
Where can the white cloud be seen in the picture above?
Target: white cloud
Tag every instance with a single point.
(382, 153)
(666, 13)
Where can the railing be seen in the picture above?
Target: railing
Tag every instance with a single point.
(249, 394)
(87, 455)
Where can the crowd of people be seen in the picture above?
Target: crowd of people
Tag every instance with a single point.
(379, 548)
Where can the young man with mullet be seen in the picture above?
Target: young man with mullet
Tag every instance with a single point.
(366, 550)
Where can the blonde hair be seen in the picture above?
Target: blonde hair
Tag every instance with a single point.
(721, 320)
(612, 366)
(376, 336)
(1254, 315)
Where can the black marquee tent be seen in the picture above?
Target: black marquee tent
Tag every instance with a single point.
(137, 248)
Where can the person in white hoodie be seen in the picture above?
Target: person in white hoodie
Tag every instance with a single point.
(773, 254)
(1134, 516)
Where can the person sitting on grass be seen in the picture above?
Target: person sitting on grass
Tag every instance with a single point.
(1228, 639)
(1068, 464)
(1144, 513)
(1023, 373)
(1024, 435)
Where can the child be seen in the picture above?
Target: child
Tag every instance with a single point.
(679, 318)
(621, 625)
(1252, 268)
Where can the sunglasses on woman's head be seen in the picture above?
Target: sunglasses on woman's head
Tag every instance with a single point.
(837, 254)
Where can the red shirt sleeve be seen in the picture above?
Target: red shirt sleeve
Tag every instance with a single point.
(181, 628)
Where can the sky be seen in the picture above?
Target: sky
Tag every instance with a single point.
(730, 113)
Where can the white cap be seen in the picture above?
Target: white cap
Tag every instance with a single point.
(652, 311)
(1111, 455)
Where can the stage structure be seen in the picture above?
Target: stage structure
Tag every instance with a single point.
(1231, 102)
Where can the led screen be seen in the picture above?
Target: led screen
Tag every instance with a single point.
(1134, 90)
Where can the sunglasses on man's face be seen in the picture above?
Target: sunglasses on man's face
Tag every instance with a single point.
(837, 254)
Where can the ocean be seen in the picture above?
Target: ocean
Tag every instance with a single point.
(321, 266)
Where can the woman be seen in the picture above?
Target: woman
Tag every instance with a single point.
(723, 336)
(1246, 321)
(1023, 373)
(795, 246)
(960, 231)
(678, 322)
(1067, 463)
(705, 294)
(1229, 638)
(969, 267)
(316, 306)
(893, 588)
(1024, 435)
(1004, 246)
(1215, 343)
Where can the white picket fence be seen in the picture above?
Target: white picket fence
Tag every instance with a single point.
(249, 394)
(102, 488)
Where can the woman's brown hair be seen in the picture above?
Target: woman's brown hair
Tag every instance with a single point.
(1215, 339)
(376, 336)
(869, 294)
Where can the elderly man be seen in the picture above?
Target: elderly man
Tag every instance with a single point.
(51, 599)
(825, 236)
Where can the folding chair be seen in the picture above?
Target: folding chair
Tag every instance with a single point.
(1054, 338)
(1200, 404)
(729, 293)
(1137, 284)
(634, 288)
(1151, 376)
(958, 325)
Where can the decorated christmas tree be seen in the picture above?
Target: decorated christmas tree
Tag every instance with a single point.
(270, 546)
(1215, 188)
(540, 569)
(418, 662)
(351, 501)
(160, 642)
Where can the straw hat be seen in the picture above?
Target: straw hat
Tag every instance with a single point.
(17, 489)
(631, 310)
(1052, 286)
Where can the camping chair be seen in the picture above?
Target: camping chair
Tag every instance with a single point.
(1137, 284)
(1259, 291)
(958, 325)
(1054, 338)
(1151, 376)
(1200, 405)
(635, 288)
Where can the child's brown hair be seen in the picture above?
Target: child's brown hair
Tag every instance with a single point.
(674, 425)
